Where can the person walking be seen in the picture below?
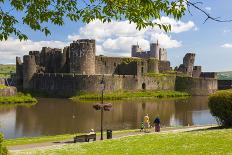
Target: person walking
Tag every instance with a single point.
(157, 124)
(146, 122)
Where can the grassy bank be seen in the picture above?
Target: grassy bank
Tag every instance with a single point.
(20, 98)
(120, 95)
(41, 139)
(5, 70)
(2, 86)
(196, 142)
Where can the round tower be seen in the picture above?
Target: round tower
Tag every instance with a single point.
(82, 56)
(19, 73)
(29, 69)
(153, 65)
(154, 50)
(134, 50)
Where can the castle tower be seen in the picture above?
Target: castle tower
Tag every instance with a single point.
(82, 56)
(188, 63)
(152, 65)
(154, 50)
(19, 73)
(29, 69)
(134, 50)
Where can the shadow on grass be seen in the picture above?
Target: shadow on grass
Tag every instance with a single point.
(211, 128)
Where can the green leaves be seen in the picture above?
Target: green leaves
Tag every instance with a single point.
(37, 14)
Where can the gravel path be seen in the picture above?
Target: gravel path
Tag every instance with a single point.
(118, 135)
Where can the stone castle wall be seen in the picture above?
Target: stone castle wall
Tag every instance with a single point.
(196, 86)
(67, 85)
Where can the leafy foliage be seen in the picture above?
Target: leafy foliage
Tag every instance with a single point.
(37, 14)
(225, 75)
(220, 105)
(3, 149)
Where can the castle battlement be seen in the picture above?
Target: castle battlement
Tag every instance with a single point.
(77, 68)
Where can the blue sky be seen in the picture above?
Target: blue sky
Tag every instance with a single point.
(212, 41)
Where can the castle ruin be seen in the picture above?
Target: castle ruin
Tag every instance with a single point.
(77, 68)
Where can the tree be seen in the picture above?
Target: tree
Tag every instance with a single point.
(37, 14)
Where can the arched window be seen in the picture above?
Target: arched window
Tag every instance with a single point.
(144, 86)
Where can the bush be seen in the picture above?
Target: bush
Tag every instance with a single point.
(220, 105)
(3, 149)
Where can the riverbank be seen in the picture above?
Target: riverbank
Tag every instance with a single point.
(120, 95)
(192, 140)
(20, 98)
(66, 137)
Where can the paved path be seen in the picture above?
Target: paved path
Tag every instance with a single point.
(118, 135)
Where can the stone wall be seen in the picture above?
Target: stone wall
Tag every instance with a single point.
(224, 84)
(9, 91)
(164, 66)
(196, 86)
(67, 85)
(107, 65)
(2, 81)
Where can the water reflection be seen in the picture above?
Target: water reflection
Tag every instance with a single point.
(58, 116)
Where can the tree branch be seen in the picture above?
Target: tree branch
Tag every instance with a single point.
(208, 16)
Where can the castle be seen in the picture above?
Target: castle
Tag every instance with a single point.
(77, 68)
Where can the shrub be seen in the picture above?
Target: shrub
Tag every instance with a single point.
(220, 105)
(3, 149)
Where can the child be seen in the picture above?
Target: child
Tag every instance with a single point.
(142, 127)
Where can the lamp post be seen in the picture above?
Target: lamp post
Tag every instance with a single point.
(102, 88)
(103, 107)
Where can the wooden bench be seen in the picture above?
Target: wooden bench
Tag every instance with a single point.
(85, 138)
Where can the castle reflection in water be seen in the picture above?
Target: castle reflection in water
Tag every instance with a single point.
(59, 116)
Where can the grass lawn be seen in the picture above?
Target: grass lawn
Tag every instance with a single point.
(120, 95)
(196, 142)
(41, 139)
(20, 98)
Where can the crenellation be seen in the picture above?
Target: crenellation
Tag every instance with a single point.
(77, 68)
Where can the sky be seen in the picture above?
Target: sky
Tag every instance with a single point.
(211, 41)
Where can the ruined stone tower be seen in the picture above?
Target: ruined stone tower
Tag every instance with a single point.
(19, 72)
(82, 56)
(154, 50)
(188, 64)
(29, 69)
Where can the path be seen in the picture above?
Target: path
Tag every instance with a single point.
(118, 135)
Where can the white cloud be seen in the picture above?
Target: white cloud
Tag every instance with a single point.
(177, 26)
(13, 47)
(208, 8)
(116, 38)
(227, 45)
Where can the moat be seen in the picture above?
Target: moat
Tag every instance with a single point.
(60, 116)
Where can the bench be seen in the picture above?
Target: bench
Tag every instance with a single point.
(85, 138)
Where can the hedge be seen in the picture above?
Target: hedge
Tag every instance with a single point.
(3, 149)
(220, 105)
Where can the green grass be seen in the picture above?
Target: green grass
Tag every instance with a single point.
(120, 95)
(2, 86)
(41, 139)
(6, 69)
(20, 98)
(196, 142)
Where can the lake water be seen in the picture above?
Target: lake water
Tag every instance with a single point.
(59, 116)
